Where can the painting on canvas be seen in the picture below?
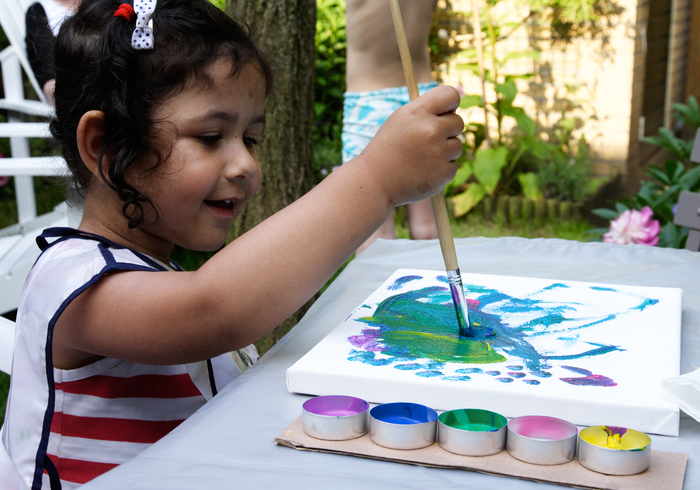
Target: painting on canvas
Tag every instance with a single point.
(592, 354)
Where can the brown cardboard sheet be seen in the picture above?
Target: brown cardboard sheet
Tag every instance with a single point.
(667, 469)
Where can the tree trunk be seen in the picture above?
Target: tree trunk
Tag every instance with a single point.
(285, 30)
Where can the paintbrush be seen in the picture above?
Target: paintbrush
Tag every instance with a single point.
(454, 277)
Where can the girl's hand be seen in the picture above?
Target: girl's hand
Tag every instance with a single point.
(413, 154)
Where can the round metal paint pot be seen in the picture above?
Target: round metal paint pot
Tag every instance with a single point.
(614, 450)
(402, 425)
(472, 432)
(335, 417)
(542, 440)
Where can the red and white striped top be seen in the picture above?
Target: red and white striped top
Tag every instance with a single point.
(73, 425)
(105, 419)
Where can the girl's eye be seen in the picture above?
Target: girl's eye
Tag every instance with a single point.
(209, 138)
(249, 141)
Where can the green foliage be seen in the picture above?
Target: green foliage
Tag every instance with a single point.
(331, 47)
(570, 11)
(569, 18)
(562, 163)
(493, 169)
(661, 191)
(557, 165)
(219, 3)
(4, 389)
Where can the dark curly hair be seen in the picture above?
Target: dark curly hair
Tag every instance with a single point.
(97, 69)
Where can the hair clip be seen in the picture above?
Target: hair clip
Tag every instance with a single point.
(142, 37)
(126, 11)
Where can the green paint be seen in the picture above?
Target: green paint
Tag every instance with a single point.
(442, 348)
(473, 420)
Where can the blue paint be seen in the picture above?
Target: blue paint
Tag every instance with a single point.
(410, 366)
(402, 281)
(469, 370)
(601, 349)
(429, 374)
(403, 413)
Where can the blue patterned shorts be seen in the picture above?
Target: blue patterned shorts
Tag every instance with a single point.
(364, 112)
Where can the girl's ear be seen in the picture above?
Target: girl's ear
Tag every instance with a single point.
(90, 136)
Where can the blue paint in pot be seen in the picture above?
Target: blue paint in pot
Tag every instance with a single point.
(404, 413)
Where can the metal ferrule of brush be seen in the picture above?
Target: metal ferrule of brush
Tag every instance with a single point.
(454, 278)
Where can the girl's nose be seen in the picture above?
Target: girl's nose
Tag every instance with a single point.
(242, 163)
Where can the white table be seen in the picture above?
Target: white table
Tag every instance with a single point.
(228, 443)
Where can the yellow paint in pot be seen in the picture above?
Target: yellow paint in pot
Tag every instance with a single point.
(616, 438)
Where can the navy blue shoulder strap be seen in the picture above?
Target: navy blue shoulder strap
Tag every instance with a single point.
(65, 233)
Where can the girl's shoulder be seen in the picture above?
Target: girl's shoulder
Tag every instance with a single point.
(73, 256)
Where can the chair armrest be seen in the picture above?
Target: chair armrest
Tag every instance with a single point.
(39, 166)
(7, 341)
(31, 107)
(24, 130)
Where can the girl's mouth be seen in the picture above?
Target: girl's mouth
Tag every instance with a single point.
(220, 204)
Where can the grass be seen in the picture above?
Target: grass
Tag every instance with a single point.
(473, 226)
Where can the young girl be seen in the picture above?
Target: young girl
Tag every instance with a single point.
(115, 346)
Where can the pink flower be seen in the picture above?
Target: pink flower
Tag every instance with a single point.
(634, 226)
(4, 180)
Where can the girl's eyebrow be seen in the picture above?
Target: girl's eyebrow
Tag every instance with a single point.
(227, 117)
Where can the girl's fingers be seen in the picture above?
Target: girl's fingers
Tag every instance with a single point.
(441, 100)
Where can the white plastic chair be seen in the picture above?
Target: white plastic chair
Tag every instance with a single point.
(18, 249)
(7, 340)
(688, 207)
(9, 478)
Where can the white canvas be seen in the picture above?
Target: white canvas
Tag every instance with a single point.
(589, 353)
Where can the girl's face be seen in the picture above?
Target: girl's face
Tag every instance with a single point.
(212, 170)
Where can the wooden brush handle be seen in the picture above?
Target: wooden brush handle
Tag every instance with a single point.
(442, 221)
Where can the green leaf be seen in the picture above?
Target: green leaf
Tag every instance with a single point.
(508, 89)
(463, 173)
(690, 179)
(467, 53)
(470, 101)
(608, 214)
(525, 122)
(621, 208)
(488, 165)
(467, 200)
(660, 175)
(534, 55)
(530, 185)
(670, 236)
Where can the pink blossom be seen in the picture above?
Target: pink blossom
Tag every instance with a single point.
(634, 226)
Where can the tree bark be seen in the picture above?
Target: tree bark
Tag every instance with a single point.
(285, 31)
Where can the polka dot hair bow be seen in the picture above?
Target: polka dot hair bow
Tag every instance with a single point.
(142, 37)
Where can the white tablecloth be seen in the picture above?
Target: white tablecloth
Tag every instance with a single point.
(228, 443)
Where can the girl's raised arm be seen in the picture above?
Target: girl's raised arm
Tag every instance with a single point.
(263, 276)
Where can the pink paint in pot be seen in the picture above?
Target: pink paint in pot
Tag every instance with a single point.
(543, 428)
(543, 440)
